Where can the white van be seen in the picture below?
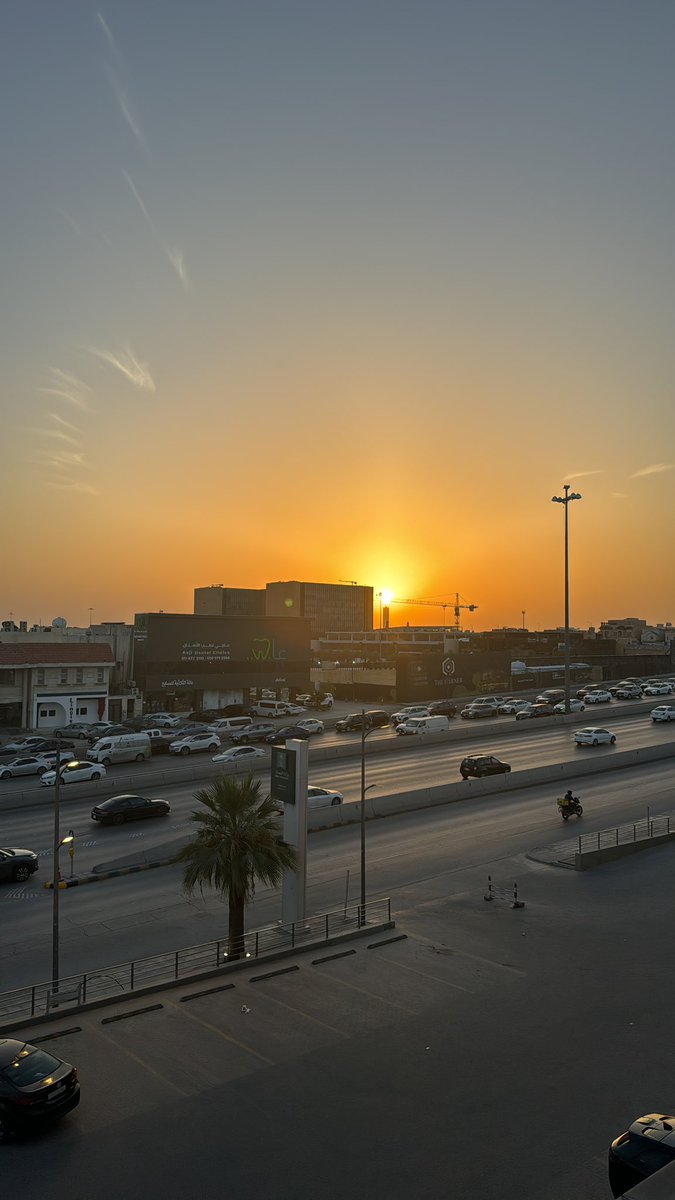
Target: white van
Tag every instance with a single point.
(226, 726)
(126, 747)
(269, 708)
(423, 725)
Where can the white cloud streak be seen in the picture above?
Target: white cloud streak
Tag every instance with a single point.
(654, 469)
(62, 421)
(582, 474)
(125, 361)
(67, 387)
(173, 254)
(57, 434)
(72, 485)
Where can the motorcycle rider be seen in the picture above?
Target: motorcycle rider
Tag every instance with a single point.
(570, 800)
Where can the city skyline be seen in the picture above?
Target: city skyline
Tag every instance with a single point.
(307, 291)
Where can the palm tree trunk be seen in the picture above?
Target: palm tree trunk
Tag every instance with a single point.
(235, 944)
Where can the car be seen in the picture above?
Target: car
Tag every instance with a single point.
(535, 710)
(411, 710)
(490, 700)
(24, 766)
(442, 708)
(474, 711)
(286, 733)
(258, 732)
(304, 699)
(657, 689)
(311, 724)
(127, 807)
(592, 736)
(98, 729)
(318, 797)
(351, 722)
(25, 745)
(164, 720)
(193, 743)
(50, 746)
(36, 1088)
(626, 691)
(294, 710)
(16, 864)
(480, 765)
(510, 707)
(323, 700)
(550, 696)
(575, 706)
(74, 772)
(77, 730)
(379, 719)
(647, 1145)
(238, 754)
(189, 728)
(662, 712)
(597, 696)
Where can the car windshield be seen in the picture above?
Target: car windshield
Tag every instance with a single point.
(29, 1066)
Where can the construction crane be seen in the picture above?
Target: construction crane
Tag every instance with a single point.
(444, 604)
(354, 582)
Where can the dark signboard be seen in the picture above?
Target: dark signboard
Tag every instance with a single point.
(282, 787)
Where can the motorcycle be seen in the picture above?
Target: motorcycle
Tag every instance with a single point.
(569, 807)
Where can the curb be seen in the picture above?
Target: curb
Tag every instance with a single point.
(92, 877)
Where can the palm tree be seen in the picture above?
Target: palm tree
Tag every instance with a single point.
(236, 844)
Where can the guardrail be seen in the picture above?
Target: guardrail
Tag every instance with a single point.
(123, 979)
(622, 835)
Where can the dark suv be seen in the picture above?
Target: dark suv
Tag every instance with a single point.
(352, 722)
(480, 765)
(378, 718)
(443, 708)
(644, 1148)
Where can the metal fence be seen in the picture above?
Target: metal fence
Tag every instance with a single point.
(124, 978)
(639, 831)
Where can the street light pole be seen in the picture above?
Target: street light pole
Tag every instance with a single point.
(55, 875)
(568, 496)
(364, 789)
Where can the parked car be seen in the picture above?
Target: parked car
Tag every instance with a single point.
(662, 712)
(238, 754)
(591, 736)
(323, 700)
(510, 707)
(657, 689)
(75, 772)
(480, 765)
(258, 732)
(294, 710)
(160, 740)
(575, 706)
(646, 1146)
(311, 724)
(98, 729)
(544, 709)
(17, 865)
(412, 710)
(286, 733)
(443, 708)
(26, 745)
(165, 720)
(269, 709)
(24, 766)
(486, 708)
(550, 696)
(127, 807)
(305, 699)
(598, 696)
(36, 1088)
(352, 722)
(194, 743)
(378, 718)
(318, 797)
(626, 691)
(51, 746)
(77, 730)
(189, 728)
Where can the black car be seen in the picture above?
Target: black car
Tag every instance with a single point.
(353, 721)
(35, 1087)
(480, 765)
(378, 718)
(17, 865)
(643, 1149)
(443, 708)
(550, 696)
(127, 807)
(287, 731)
(258, 732)
(538, 709)
(52, 744)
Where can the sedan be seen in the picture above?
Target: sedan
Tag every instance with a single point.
(238, 754)
(77, 730)
(294, 710)
(656, 689)
(311, 724)
(575, 706)
(24, 766)
(317, 797)
(127, 807)
(75, 772)
(663, 712)
(195, 742)
(594, 737)
(16, 864)
(599, 696)
(288, 731)
(164, 720)
(509, 707)
(474, 711)
(258, 732)
(35, 1087)
(535, 710)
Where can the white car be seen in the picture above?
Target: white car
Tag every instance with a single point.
(599, 696)
(237, 754)
(656, 689)
(194, 742)
(165, 720)
(594, 737)
(509, 707)
(317, 797)
(294, 710)
(24, 766)
(311, 724)
(75, 772)
(663, 712)
(575, 706)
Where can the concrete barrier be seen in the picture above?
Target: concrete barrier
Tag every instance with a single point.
(594, 858)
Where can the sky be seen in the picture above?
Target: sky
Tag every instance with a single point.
(295, 289)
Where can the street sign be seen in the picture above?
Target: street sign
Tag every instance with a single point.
(282, 787)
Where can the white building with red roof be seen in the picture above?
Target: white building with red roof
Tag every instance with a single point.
(46, 685)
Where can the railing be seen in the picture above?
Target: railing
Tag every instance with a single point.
(123, 979)
(638, 831)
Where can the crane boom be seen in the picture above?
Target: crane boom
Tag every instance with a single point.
(427, 603)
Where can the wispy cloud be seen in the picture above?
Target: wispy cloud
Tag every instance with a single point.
(125, 361)
(82, 233)
(67, 387)
(114, 70)
(173, 253)
(112, 44)
(72, 485)
(58, 459)
(582, 474)
(62, 421)
(57, 434)
(654, 469)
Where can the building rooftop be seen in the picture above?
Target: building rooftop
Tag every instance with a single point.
(39, 654)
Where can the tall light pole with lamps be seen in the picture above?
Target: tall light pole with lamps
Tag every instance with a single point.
(364, 789)
(565, 499)
(56, 874)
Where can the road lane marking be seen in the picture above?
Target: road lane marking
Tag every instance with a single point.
(117, 1045)
(221, 1033)
(364, 992)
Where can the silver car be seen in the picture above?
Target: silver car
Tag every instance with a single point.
(24, 766)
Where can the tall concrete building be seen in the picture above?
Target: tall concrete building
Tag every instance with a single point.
(219, 601)
(329, 606)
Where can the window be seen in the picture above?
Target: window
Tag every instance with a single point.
(100, 675)
(80, 712)
(63, 678)
(47, 712)
(41, 676)
(6, 678)
(79, 675)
